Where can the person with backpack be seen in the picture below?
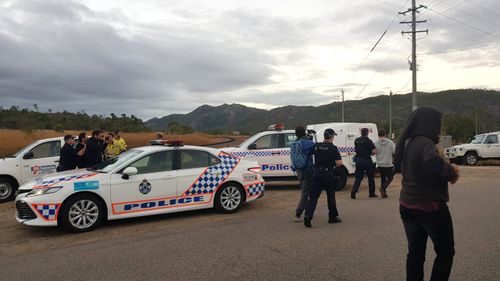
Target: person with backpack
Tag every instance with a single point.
(301, 152)
(327, 158)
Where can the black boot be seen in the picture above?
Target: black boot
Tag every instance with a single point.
(307, 222)
(334, 220)
(353, 195)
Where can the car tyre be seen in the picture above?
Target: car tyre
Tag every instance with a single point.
(7, 190)
(471, 158)
(81, 213)
(341, 178)
(229, 198)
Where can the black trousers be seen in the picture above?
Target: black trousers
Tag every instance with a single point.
(436, 225)
(322, 180)
(364, 166)
(385, 174)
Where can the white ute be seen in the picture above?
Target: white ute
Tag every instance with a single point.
(483, 146)
(271, 148)
(33, 161)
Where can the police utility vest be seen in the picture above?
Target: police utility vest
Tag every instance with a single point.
(325, 155)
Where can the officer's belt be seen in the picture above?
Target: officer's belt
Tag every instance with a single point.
(324, 169)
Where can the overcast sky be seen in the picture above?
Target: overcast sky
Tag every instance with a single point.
(157, 57)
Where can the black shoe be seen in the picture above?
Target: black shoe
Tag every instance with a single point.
(373, 195)
(383, 193)
(334, 220)
(307, 222)
(353, 195)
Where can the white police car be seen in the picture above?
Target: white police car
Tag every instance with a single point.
(271, 148)
(139, 182)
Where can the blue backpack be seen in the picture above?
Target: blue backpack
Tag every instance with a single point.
(297, 155)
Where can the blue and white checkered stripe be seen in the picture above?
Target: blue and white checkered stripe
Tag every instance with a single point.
(255, 189)
(48, 211)
(347, 149)
(214, 176)
(67, 178)
(262, 153)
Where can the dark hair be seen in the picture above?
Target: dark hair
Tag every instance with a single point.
(381, 133)
(96, 132)
(364, 132)
(67, 137)
(81, 136)
(111, 134)
(300, 132)
(117, 132)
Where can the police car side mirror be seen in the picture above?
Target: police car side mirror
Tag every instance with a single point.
(129, 171)
(28, 155)
(252, 146)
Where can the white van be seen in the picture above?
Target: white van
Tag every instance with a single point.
(271, 148)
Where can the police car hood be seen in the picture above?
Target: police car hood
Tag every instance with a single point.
(58, 179)
(6, 162)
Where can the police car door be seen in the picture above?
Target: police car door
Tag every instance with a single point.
(150, 190)
(491, 147)
(269, 153)
(40, 160)
(197, 177)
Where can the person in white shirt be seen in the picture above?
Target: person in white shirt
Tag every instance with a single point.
(385, 151)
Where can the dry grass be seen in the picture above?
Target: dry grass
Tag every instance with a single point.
(13, 140)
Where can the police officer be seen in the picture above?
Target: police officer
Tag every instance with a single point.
(327, 158)
(364, 150)
(68, 155)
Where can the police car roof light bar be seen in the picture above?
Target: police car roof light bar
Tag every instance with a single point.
(174, 143)
(277, 127)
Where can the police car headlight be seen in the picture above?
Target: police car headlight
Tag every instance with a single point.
(43, 191)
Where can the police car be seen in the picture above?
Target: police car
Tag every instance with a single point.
(483, 146)
(140, 182)
(36, 159)
(271, 149)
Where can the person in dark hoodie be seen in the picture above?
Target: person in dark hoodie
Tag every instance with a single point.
(94, 149)
(423, 208)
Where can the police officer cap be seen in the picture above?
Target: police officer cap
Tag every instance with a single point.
(329, 133)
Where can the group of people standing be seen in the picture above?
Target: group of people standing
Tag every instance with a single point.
(91, 151)
(424, 194)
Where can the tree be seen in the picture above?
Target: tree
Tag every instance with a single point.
(461, 128)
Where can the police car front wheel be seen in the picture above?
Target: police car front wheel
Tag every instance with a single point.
(229, 198)
(81, 213)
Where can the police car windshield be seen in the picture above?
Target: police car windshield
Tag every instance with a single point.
(110, 164)
(478, 139)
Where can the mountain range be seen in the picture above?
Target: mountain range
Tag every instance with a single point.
(236, 117)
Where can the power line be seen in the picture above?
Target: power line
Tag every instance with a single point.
(462, 49)
(482, 8)
(461, 22)
(376, 44)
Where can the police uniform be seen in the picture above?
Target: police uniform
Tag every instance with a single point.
(364, 164)
(325, 154)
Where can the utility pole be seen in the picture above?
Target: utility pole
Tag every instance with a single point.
(390, 114)
(413, 64)
(475, 109)
(343, 116)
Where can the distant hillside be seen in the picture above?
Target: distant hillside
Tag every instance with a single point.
(455, 104)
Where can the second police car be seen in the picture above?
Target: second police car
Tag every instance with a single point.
(272, 148)
(139, 182)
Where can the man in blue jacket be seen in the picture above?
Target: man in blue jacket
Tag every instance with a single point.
(305, 174)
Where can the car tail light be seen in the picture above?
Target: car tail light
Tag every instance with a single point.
(256, 170)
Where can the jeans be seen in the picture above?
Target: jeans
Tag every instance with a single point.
(385, 174)
(326, 180)
(305, 180)
(364, 166)
(438, 226)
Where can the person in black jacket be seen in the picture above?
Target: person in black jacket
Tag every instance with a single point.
(68, 155)
(81, 145)
(94, 149)
(423, 208)
(364, 150)
(327, 158)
